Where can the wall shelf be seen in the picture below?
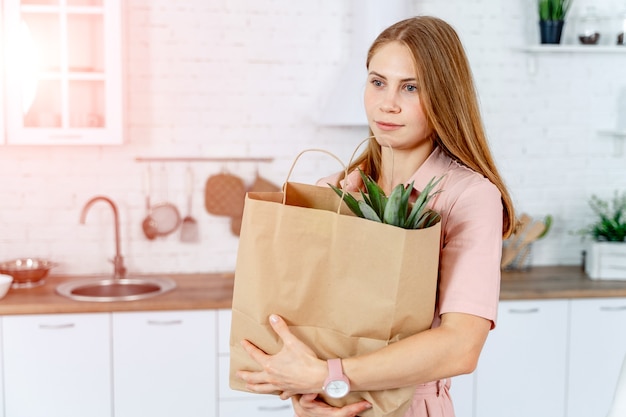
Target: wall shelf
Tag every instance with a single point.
(588, 49)
(534, 50)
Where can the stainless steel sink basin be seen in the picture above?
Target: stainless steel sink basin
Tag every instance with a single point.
(115, 289)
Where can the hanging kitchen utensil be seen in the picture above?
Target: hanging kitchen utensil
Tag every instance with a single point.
(148, 225)
(189, 227)
(165, 214)
(224, 195)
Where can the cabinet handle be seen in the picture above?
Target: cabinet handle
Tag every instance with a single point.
(524, 310)
(164, 322)
(273, 407)
(616, 308)
(56, 326)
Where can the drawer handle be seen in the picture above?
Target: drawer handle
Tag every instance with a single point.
(164, 322)
(274, 407)
(617, 308)
(524, 310)
(56, 326)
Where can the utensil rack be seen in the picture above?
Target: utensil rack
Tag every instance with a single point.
(205, 159)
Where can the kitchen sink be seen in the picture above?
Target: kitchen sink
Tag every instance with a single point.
(115, 289)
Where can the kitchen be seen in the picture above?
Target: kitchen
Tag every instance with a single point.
(243, 79)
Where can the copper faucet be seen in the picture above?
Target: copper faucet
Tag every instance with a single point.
(118, 260)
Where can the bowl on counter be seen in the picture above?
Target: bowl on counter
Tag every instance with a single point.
(26, 272)
(5, 284)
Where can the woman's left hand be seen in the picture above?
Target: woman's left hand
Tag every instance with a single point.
(295, 369)
(308, 405)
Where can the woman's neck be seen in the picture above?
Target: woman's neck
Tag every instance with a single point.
(399, 165)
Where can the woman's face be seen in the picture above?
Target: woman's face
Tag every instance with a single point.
(392, 100)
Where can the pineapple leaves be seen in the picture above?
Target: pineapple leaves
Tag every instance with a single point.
(377, 199)
(368, 212)
(351, 202)
(396, 210)
(415, 220)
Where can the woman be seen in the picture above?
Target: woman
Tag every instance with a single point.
(424, 118)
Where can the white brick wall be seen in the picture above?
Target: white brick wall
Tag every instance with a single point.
(248, 78)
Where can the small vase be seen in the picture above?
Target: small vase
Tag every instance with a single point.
(551, 31)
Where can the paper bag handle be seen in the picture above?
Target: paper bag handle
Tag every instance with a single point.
(345, 167)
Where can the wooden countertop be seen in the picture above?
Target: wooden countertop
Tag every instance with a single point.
(192, 292)
(556, 282)
(207, 291)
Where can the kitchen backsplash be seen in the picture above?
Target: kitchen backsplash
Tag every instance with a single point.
(243, 78)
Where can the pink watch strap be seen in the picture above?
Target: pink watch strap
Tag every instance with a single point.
(335, 370)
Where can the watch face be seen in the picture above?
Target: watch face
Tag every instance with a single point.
(337, 389)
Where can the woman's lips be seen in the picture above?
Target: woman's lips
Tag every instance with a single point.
(387, 126)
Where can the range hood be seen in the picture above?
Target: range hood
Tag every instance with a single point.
(344, 104)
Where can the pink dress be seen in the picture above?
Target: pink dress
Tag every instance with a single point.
(469, 269)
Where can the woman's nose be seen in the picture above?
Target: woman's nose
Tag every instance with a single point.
(389, 103)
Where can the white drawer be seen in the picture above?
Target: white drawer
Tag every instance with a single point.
(265, 407)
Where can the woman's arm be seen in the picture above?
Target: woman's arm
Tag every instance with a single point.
(451, 349)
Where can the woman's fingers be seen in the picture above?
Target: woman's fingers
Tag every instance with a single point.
(309, 405)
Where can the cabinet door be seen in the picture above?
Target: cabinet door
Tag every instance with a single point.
(165, 364)
(522, 369)
(64, 71)
(57, 365)
(597, 350)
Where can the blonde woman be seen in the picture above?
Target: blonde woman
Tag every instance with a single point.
(424, 120)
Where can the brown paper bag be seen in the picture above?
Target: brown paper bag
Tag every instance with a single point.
(345, 285)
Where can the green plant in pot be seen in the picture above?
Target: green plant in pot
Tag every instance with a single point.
(606, 252)
(610, 225)
(551, 19)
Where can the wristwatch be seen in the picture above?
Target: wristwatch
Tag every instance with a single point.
(337, 385)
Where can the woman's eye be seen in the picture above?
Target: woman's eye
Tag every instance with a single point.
(377, 83)
(411, 88)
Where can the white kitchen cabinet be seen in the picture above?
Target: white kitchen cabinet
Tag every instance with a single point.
(57, 365)
(522, 370)
(63, 72)
(238, 403)
(462, 393)
(597, 349)
(165, 363)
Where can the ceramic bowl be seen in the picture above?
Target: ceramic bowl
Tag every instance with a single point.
(5, 284)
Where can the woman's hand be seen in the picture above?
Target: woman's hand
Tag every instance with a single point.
(295, 369)
(308, 405)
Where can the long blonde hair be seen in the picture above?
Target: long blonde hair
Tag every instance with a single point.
(448, 99)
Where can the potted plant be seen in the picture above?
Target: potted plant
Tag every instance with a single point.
(606, 254)
(551, 19)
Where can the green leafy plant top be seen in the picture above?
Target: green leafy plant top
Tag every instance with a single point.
(396, 209)
(611, 223)
(553, 9)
